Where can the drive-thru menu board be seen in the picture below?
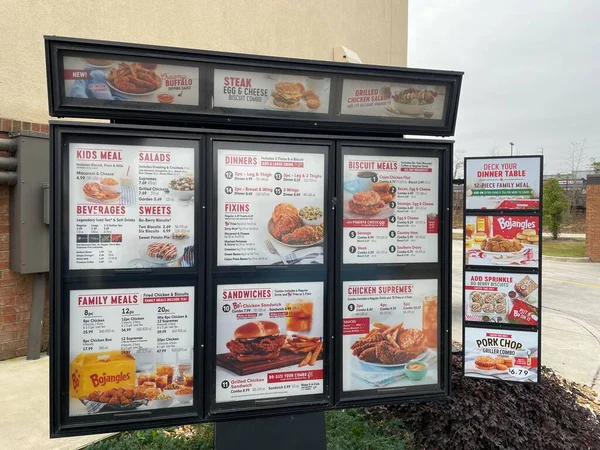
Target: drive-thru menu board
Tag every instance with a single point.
(131, 349)
(389, 334)
(130, 206)
(501, 297)
(271, 91)
(270, 206)
(503, 183)
(390, 207)
(502, 354)
(269, 341)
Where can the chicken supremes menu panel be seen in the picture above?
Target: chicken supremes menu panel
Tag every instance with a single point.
(270, 205)
(390, 208)
(130, 206)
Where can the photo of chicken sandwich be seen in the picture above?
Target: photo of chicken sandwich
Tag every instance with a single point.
(366, 203)
(256, 341)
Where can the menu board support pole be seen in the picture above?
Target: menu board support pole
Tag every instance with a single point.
(297, 432)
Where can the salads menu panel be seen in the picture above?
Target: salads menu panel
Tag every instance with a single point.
(271, 91)
(130, 206)
(271, 204)
(389, 334)
(502, 354)
(399, 100)
(110, 78)
(131, 350)
(501, 297)
(269, 341)
(390, 209)
(502, 241)
(502, 183)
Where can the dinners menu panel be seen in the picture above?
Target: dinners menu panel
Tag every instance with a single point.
(271, 92)
(269, 341)
(390, 334)
(390, 208)
(271, 206)
(131, 350)
(111, 78)
(130, 206)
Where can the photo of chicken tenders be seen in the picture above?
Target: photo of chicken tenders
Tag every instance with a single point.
(296, 228)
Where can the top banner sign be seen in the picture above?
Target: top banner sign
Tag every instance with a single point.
(503, 183)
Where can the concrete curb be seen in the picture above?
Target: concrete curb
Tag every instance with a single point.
(566, 259)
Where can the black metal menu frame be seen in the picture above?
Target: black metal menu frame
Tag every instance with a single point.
(503, 269)
(205, 114)
(200, 125)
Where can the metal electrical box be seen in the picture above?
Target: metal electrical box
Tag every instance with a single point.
(29, 231)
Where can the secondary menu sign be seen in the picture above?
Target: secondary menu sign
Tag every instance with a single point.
(130, 206)
(390, 208)
(269, 341)
(503, 183)
(271, 206)
(131, 349)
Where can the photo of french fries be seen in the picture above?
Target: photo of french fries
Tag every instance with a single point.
(311, 345)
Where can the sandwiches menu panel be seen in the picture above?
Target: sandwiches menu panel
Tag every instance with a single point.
(503, 183)
(271, 204)
(131, 206)
(131, 350)
(282, 93)
(389, 334)
(390, 209)
(269, 341)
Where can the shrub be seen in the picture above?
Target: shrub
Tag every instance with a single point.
(556, 205)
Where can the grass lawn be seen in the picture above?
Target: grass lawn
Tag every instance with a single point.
(348, 429)
(563, 247)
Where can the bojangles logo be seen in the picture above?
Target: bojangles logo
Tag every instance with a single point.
(510, 223)
(101, 380)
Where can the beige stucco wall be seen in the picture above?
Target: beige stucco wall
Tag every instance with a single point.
(375, 29)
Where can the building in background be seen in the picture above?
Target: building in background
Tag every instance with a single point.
(309, 29)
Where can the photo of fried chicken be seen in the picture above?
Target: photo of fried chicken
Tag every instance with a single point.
(94, 191)
(287, 227)
(385, 191)
(134, 79)
(366, 203)
(390, 345)
(500, 244)
(121, 398)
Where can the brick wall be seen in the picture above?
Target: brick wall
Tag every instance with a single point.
(592, 220)
(15, 289)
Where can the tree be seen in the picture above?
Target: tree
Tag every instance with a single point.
(595, 165)
(556, 205)
(494, 151)
(575, 155)
(458, 164)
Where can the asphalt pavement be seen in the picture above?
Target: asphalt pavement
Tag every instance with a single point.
(570, 316)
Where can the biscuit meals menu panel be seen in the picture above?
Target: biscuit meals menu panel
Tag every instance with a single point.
(269, 340)
(130, 206)
(390, 334)
(131, 349)
(270, 206)
(390, 207)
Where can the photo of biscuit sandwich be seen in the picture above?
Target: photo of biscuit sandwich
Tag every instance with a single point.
(287, 95)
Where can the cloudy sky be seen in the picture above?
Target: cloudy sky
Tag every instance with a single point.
(532, 72)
